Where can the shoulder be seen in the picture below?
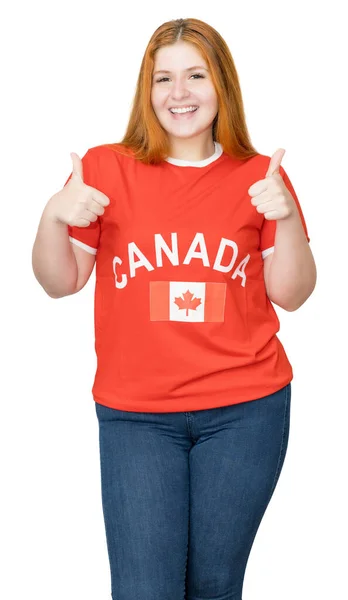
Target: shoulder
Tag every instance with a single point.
(110, 158)
(259, 166)
(259, 162)
(112, 150)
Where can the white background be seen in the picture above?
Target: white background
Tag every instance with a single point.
(69, 72)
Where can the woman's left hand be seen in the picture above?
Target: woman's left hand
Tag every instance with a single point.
(270, 195)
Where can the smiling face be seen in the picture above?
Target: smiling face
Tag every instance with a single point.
(183, 86)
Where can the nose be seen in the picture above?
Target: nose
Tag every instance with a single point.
(179, 90)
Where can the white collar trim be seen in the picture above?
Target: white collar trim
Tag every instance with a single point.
(197, 163)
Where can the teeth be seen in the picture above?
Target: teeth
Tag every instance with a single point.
(183, 110)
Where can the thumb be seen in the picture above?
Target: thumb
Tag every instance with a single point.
(275, 161)
(77, 169)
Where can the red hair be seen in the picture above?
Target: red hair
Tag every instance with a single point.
(145, 137)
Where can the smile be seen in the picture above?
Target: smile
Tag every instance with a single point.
(183, 114)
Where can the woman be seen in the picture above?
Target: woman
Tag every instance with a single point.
(195, 234)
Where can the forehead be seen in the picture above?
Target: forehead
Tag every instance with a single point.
(180, 55)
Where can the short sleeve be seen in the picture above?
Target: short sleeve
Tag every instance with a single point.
(87, 237)
(268, 228)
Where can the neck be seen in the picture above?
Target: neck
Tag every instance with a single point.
(191, 149)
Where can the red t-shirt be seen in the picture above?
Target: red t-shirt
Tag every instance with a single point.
(182, 318)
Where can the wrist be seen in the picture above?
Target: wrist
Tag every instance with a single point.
(50, 210)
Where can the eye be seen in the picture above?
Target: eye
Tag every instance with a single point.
(199, 75)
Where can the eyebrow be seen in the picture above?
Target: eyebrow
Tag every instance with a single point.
(189, 69)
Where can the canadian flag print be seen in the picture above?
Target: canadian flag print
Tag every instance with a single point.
(189, 301)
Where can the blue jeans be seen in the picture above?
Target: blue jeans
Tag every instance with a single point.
(184, 493)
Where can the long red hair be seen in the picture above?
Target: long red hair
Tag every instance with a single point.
(145, 137)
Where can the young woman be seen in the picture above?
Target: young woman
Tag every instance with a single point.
(194, 234)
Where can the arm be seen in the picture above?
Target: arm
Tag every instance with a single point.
(53, 259)
(62, 268)
(290, 272)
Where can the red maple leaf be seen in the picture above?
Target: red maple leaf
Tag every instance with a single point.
(188, 303)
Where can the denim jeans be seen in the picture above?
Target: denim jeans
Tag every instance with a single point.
(183, 495)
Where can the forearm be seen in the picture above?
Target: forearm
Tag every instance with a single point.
(292, 274)
(53, 259)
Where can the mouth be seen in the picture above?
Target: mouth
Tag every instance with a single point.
(183, 115)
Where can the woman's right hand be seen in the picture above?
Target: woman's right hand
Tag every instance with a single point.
(78, 204)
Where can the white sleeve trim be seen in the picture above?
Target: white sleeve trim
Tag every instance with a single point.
(266, 252)
(82, 245)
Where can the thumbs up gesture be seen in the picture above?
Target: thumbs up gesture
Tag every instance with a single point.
(270, 196)
(78, 204)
